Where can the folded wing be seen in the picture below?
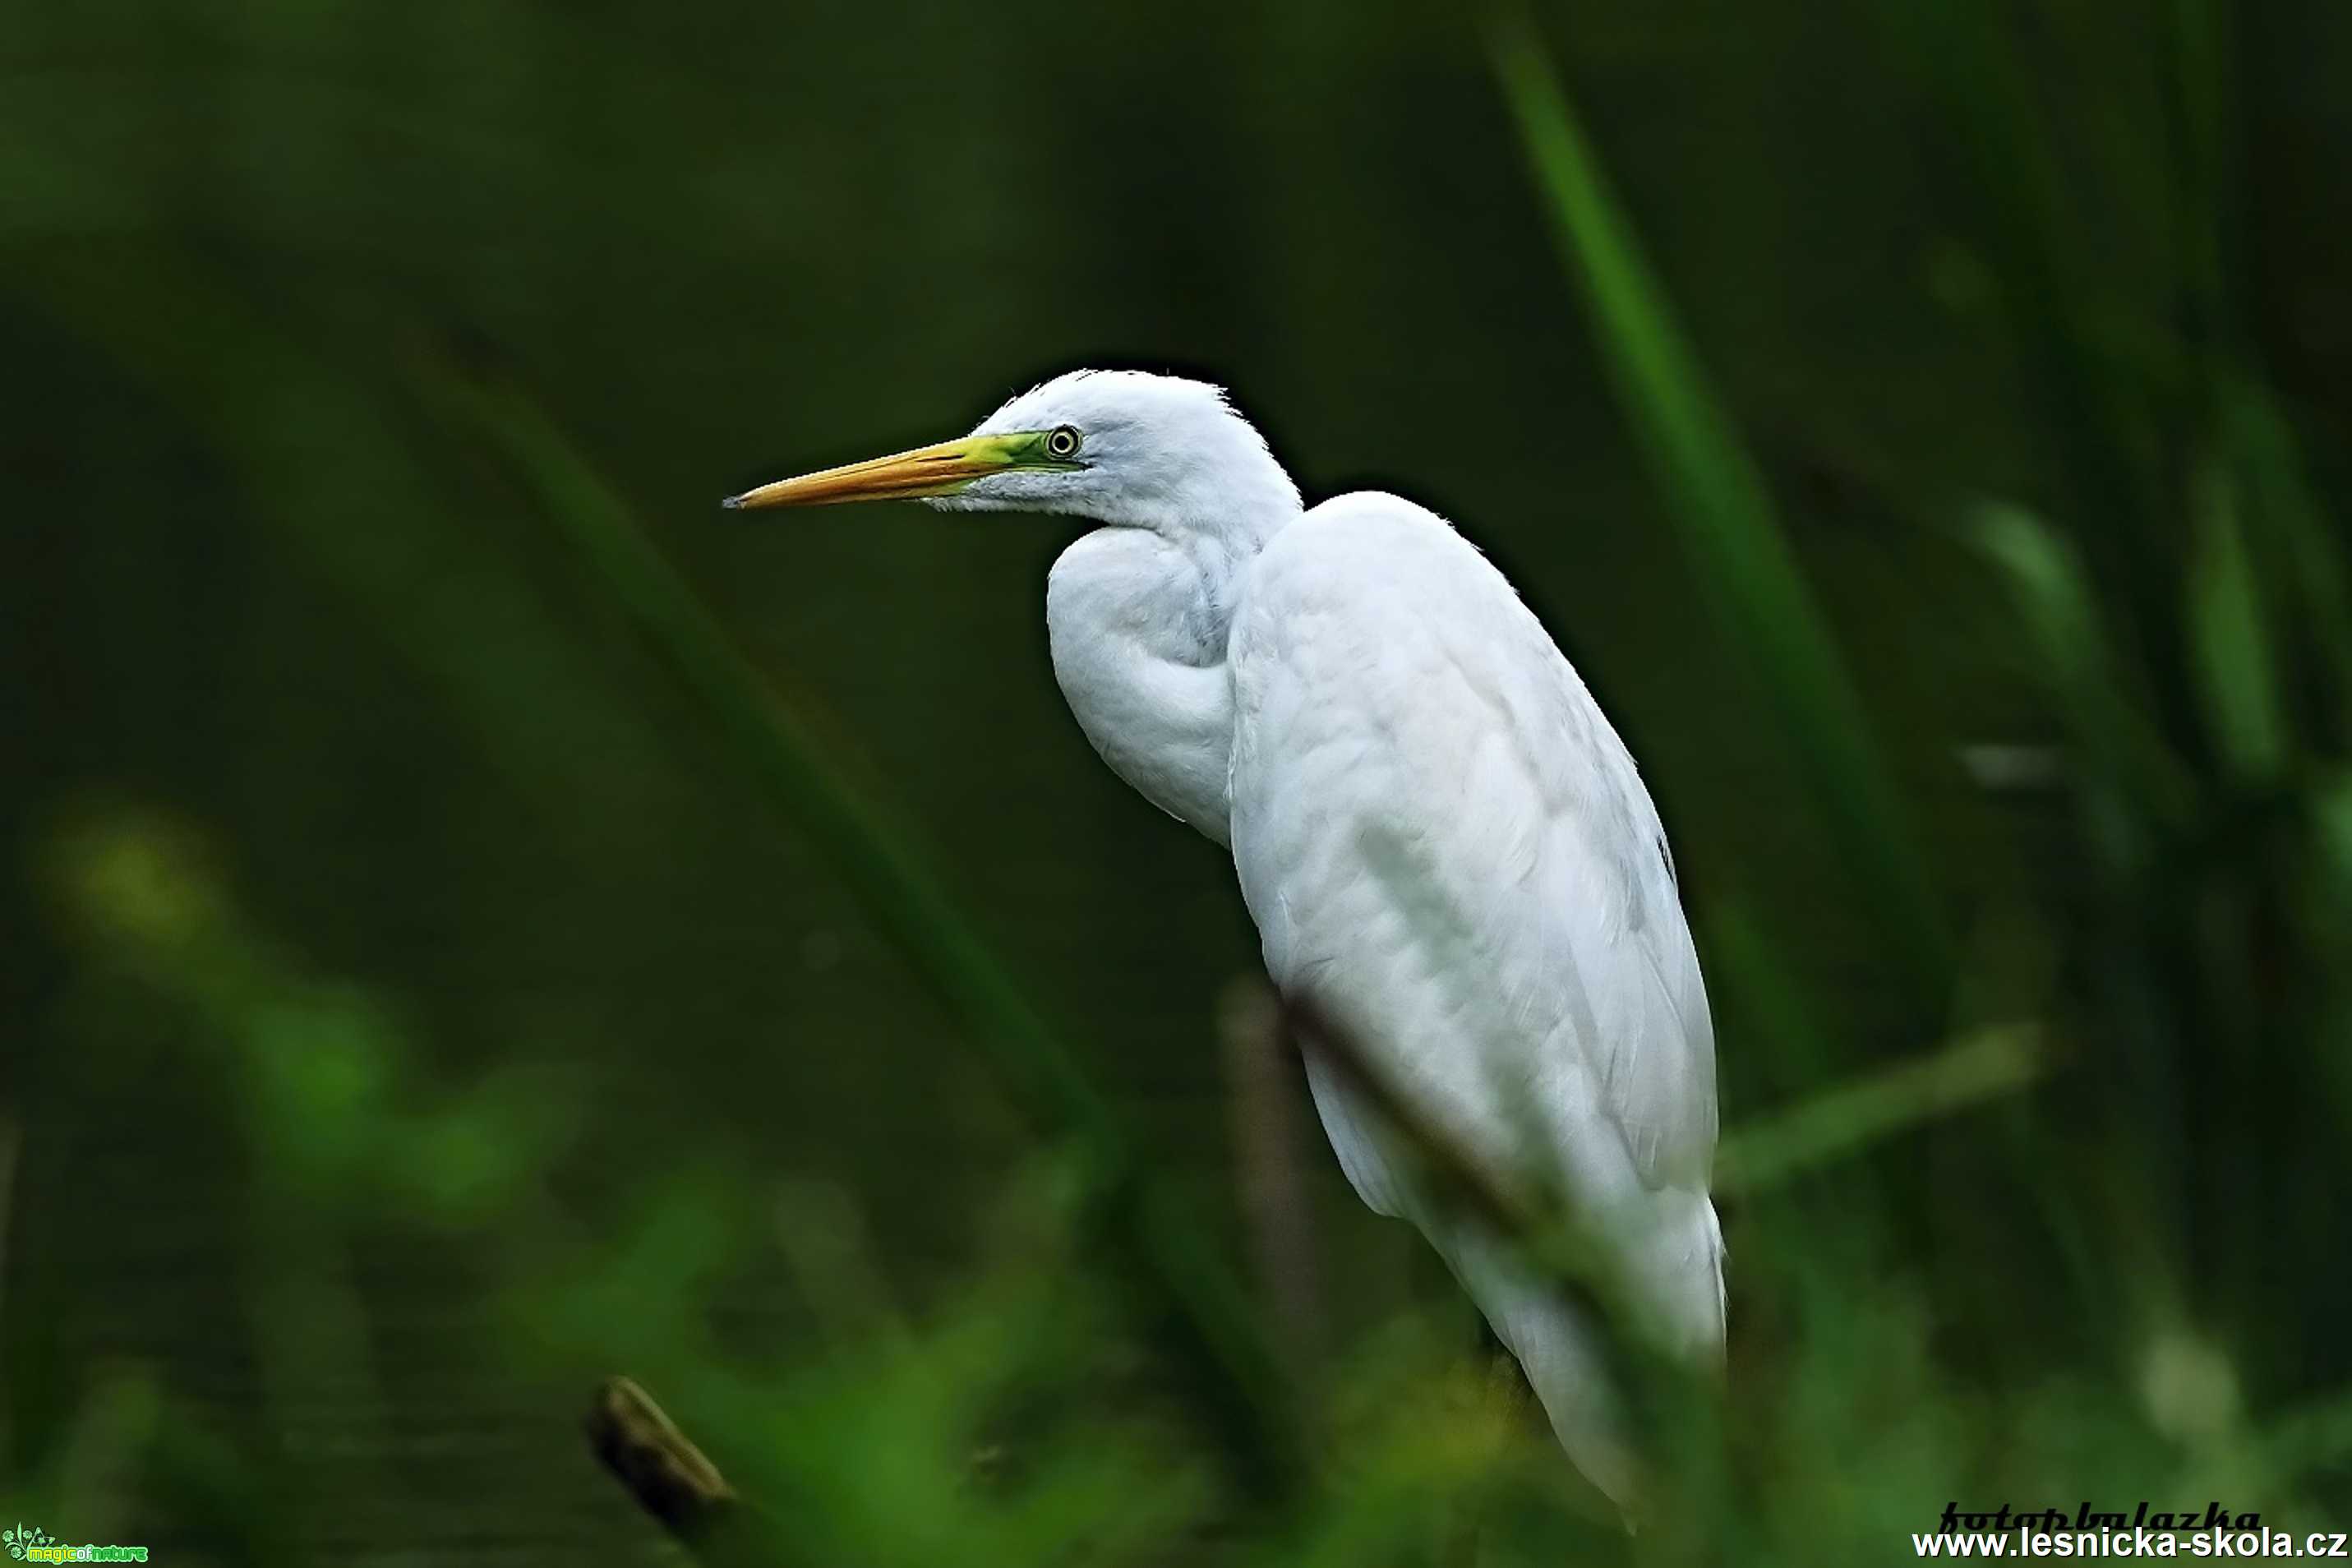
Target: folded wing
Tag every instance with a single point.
(1451, 854)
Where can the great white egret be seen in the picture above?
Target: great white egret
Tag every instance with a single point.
(1446, 848)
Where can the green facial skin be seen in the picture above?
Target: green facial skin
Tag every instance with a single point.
(1029, 449)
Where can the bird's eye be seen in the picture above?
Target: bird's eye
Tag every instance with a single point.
(1062, 442)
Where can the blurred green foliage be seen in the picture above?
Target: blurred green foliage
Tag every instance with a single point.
(489, 920)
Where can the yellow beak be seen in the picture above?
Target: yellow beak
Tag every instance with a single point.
(935, 470)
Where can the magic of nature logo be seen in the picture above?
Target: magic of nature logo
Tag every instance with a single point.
(31, 1543)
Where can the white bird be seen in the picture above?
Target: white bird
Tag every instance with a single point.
(1447, 850)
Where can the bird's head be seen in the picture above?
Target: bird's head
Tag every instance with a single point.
(1120, 446)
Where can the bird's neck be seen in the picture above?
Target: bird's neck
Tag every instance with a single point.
(1138, 620)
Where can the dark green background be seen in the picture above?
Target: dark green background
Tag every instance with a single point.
(258, 579)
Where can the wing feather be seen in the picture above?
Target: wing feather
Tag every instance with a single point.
(1449, 852)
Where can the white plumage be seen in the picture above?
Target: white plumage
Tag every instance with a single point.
(1449, 853)
(1447, 850)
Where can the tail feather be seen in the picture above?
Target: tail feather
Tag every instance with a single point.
(1561, 1351)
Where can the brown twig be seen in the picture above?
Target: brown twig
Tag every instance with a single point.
(669, 1477)
(1263, 1080)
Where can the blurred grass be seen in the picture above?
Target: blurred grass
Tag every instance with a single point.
(1840, 1121)
(1723, 510)
(1956, 1278)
